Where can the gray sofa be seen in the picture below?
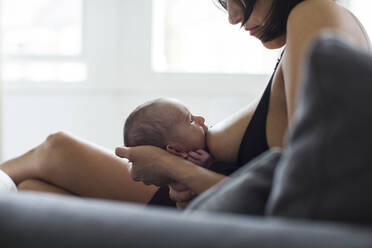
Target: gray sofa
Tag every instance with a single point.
(32, 220)
(315, 193)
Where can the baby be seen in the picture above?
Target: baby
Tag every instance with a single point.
(168, 124)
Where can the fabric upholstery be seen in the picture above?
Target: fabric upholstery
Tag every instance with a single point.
(326, 171)
(45, 221)
(245, 192)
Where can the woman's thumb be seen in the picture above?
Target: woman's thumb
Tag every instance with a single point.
(123, 152)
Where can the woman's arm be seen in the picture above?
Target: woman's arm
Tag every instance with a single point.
(306, 21)
(153, 165)
(196, 178)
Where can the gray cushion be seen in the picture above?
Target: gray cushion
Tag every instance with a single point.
(52, 221)
(245, 192)
(326, 170)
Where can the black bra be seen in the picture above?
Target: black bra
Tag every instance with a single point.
(254, 141)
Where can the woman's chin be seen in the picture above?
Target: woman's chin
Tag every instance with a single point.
(276, 43)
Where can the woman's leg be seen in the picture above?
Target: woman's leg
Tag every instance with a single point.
(40, 186)
(79, 167)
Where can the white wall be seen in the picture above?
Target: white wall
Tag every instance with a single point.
(117, 40)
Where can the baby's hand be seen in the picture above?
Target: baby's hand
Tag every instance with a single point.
(201, 158)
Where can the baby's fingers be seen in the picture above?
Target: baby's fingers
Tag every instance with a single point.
(194, 161)
(195, 155)
(202, 152)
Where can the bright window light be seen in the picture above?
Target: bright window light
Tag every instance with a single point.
(42, 40)
(45, 72)
(362, 9)
(200, 39)
(42, 27)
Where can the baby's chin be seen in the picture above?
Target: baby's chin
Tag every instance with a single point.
(206, 140)
(207, 136)
(205, 128)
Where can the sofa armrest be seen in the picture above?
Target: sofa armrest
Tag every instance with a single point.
(43, 220)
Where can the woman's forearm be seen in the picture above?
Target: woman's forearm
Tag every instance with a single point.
(153, 165)
(196, 178)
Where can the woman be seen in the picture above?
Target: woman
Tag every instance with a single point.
(67, 165)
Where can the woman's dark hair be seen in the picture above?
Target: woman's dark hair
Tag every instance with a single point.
(276, 20)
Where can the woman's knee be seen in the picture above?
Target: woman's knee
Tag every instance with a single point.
(59, 143)
(55, 146)
(57, 139)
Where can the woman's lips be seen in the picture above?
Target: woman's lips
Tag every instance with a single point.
(253, 30)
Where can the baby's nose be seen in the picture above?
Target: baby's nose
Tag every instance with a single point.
(200, 120)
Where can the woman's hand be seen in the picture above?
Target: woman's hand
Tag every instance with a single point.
(153, 165)
(181, 195)
(201, 158)
(148, 164)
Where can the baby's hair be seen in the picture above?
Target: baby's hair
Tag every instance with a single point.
(147, 125)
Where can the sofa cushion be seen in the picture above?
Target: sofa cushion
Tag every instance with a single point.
(326, 169)
(45, 221)
(245, 192)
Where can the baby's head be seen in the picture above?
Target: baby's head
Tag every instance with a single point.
(167, 124)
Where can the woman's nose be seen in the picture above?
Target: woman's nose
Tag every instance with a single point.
(235, 18)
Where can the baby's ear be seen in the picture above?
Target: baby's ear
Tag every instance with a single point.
(176, 150)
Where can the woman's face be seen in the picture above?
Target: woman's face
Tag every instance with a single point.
(256, 21)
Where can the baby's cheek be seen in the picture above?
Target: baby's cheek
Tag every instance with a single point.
(204, 142)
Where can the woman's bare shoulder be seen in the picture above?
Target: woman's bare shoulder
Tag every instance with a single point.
(314, 7)
(311, 17)
(306, 22)
(315, 14)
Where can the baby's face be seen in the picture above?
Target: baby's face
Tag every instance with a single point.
(189, 131)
